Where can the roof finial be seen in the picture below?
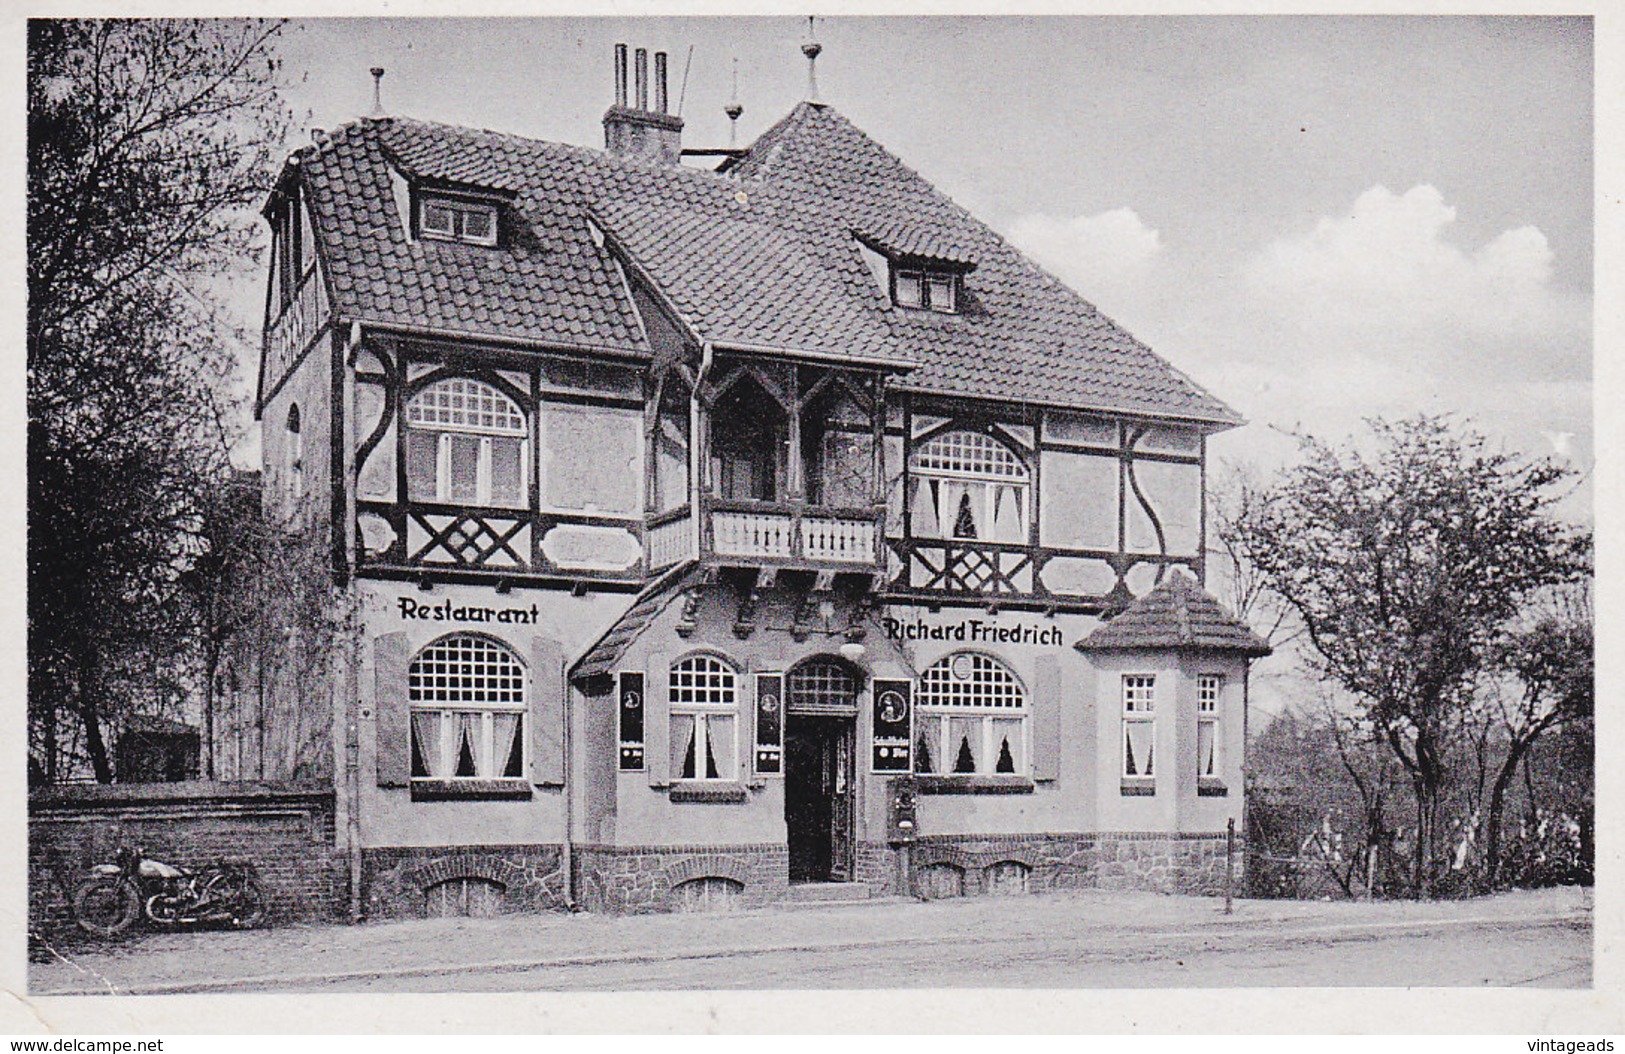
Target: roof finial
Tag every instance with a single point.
(811, 49)
(377, 92)
(733, 109)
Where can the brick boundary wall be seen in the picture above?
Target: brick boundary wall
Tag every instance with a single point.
(286, 829)
(631, 880)
(397, 881)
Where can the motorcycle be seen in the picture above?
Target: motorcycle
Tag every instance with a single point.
(226, 891)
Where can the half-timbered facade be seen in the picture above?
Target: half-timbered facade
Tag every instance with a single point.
(706, 525)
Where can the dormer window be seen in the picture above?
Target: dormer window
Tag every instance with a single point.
(456, 220)
(917, 268)
(933, 290)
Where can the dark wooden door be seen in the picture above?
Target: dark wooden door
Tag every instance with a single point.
(818, 798)
(841, 810)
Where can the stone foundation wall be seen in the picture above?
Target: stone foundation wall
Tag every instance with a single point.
(644, 879)
(972, 865)
(285, 829)
(419, 882)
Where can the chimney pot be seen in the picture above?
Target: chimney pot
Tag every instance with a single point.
(631, 129)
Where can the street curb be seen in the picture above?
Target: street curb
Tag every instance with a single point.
(1216, 928)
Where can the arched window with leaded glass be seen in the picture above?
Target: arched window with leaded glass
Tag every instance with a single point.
(969, 486)
(704, 702)
(467, 699)
(971, 718)
(466, 445)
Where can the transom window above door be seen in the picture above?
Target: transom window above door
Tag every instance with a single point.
(466, 445)
(970, 486)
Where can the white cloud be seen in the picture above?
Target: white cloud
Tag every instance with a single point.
(1383, 311)
(1105, 257)
(1386, 281)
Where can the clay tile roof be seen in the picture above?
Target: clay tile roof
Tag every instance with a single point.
(763, 251)
(1176, 614)
(741, 282)
(606, 652)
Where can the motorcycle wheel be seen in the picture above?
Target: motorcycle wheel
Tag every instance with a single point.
(249, 905)
(162, 910)
(106, 908)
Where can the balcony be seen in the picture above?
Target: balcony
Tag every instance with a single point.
(792, 534)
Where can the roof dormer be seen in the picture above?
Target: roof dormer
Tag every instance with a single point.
(918, 270)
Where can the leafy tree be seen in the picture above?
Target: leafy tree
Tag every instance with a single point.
(1550, 659)
(147, 140)
(1406, 564)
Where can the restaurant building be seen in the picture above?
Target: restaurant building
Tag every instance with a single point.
(720, 534)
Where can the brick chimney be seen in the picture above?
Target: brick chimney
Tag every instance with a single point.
(631, 128)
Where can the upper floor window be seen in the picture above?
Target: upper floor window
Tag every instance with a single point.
(972, 718)
(1207, 723)
(704, 699)
(934, 290)
(467, 698)
(968, 485)
(465, 443)
(457, 220)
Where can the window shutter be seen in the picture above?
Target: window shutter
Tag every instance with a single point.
(657, 721)
(1045, 707)
(392, 741)
(546, 712)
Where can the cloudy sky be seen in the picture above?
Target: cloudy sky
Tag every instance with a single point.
(1317, 218)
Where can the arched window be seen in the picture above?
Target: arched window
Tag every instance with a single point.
(822, 686)
(294, 453)
(704, 699)
(968, 485)
(972, 718)
(467, 696)
(465, 444)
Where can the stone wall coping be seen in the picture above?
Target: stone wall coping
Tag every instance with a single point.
(651, 850)
(72, 796)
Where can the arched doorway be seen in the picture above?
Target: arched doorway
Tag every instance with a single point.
(821, 708)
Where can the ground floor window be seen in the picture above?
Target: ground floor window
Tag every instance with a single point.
(467, 697)
(971, 718)
(1207, 723)
(704, 701)
(1139, 724)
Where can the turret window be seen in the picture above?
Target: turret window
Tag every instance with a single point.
(466, 445)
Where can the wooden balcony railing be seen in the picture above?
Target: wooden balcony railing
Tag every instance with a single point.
(792, 533)
(671, 538)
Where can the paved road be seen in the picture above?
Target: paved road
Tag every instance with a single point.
(1549, 954)
(1082, 940)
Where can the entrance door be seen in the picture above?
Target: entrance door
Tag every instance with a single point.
(818, 808)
